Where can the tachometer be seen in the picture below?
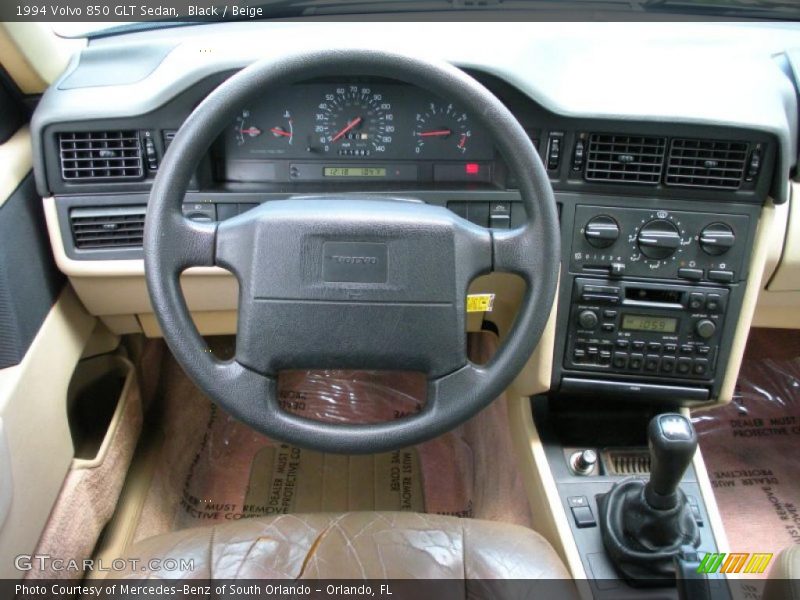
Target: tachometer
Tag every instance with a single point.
(354, 121)
(442, 127)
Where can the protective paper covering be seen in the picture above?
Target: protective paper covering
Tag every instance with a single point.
(752, 447)
(211, 468)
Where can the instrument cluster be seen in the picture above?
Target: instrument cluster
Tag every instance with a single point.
(354, 131)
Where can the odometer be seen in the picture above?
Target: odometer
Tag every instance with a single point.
(354, 121)
(354, 171)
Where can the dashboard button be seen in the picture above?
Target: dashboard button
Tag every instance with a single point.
(684, 366)
(578, 354)
(687, 349)
(609, 327)
(714, 303)
(690, 274)
(609, 314)
(636, 361)
(638, 345)
(500, 215)
(668, 364)
(670, 348)
(700, 366)
(721, 276)
(583, 516)
(651, 362)
(622, 344)
(696, 300)
(654, 346)
(620, 360)
(703, 350)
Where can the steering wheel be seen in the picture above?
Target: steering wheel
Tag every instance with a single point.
(347, 281)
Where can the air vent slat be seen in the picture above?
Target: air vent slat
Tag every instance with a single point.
(625, 158)
(112, 227)
(100, 155)
(706, 163)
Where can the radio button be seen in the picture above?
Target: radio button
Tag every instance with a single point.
(668, 364)
(714, 303)
(587, 319)
(651, 362)
(620, 360)
(638, 345)
(636, 361)
(705, 328)
(654, 346)
(600, 298)
(684, 366)
(609, 327)
(605, 357)
(703, 350)
(690, 274)
(671, 348)
(696, 300)
(622, 343)
(609, 314)
(687, 349)
(578, 354)
(700, 366)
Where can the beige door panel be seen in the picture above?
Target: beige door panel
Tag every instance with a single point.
(15, 162)
(33, 410)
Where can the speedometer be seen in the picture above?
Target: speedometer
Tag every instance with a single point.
(354, 121)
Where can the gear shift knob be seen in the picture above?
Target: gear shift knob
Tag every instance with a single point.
(673, 442)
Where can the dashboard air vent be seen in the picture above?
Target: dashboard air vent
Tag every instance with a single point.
(100, 155)
(625, 158)
(706, 163)
(107, 227)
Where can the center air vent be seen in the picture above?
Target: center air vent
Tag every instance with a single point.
(706, 163)
(107, 227)
(100, 156)
(625, 158)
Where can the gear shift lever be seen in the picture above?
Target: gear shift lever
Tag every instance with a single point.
(673, 442)
(646, 525)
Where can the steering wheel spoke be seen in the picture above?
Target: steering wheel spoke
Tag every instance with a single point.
(516, 251)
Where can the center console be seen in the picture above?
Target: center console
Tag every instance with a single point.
(650, 296)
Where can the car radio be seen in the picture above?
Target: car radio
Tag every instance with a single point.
(646, 329)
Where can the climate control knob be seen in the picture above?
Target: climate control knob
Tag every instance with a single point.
(601, 231)
(717, 239)
(659, 239)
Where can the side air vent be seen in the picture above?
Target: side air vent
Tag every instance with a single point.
(625, 158)
(108, 227)
(100, 156)
(706, 163)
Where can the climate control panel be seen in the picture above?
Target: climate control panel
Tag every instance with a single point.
(693, 246)
(645, 329)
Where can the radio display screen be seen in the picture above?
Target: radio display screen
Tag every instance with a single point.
(649, 323)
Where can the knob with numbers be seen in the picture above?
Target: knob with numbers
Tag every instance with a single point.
(659, 239)
(717, 239)
(601, 231)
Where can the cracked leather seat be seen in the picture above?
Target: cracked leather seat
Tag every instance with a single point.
(356, 545)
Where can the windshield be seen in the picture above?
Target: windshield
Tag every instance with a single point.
(179, 13)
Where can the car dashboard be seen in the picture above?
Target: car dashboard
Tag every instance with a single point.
(662, 180)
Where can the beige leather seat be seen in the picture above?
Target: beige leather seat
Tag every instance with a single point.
(357, 545)
(784, 577)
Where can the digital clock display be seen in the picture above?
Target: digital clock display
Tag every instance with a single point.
(649, 323)
(354, 172)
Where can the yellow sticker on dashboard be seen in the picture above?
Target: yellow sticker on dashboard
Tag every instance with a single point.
(480, 302)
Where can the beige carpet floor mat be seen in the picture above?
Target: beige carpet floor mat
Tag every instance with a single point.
(752, 446)
(211, 469)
